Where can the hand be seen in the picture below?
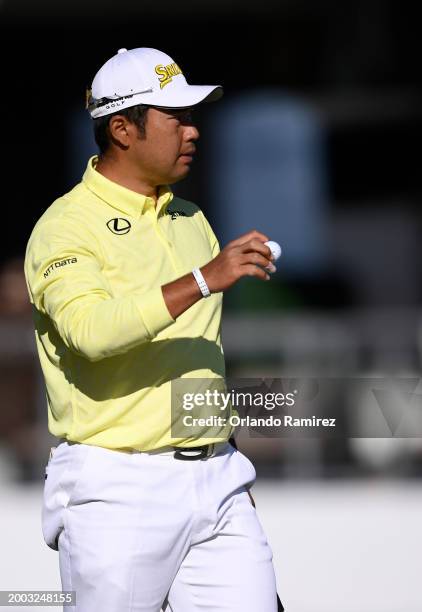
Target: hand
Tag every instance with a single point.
(245, 256)
(241, 257)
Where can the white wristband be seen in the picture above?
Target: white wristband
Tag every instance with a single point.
(201, 282)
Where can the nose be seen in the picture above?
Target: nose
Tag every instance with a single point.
(191, 132)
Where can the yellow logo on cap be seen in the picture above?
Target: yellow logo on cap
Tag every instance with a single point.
(166, 73)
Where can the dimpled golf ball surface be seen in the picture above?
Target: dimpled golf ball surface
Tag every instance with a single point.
(275, 248)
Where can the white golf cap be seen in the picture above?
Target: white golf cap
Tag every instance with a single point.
(144, 76)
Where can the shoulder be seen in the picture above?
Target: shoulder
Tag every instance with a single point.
(69, 210)
(185, 208)
(179, 205)
(61, 226)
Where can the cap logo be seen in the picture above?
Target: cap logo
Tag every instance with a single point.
(166, 73)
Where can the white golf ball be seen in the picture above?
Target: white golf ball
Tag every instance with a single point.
(275, 248)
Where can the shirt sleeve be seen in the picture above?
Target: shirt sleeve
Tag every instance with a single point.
(215, 246)
(65, 282)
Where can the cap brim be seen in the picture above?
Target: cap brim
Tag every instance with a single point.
(181, 97)
(187, 96)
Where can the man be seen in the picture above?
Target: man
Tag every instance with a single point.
(126, 283)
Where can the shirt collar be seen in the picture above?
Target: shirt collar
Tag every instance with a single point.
(125, 200)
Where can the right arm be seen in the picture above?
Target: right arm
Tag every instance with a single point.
(241, 257)
(96, 325)
(66, 283)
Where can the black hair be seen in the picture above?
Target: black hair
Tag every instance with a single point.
(134, 114)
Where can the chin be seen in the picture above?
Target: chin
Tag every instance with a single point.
(179, 177)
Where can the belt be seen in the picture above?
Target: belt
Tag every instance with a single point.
(184, 453)
(192, 453)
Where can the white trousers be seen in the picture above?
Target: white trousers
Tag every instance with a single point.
(140, 533)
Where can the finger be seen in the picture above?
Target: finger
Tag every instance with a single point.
(254, 258)
(257, 245)
(270, 268)
(249, 236)
(251, 270)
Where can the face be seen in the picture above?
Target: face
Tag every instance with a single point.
(165, 153)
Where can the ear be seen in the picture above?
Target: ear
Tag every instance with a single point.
(121, 130)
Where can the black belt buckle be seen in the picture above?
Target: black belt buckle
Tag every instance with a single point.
(193, 454)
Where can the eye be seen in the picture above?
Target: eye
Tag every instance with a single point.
(183, 116)
(186, 117)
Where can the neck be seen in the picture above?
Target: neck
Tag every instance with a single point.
(126, 177)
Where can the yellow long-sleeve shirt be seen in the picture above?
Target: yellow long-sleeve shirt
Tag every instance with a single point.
(108, 346)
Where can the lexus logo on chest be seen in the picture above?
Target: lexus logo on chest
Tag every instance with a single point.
(119, 225)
